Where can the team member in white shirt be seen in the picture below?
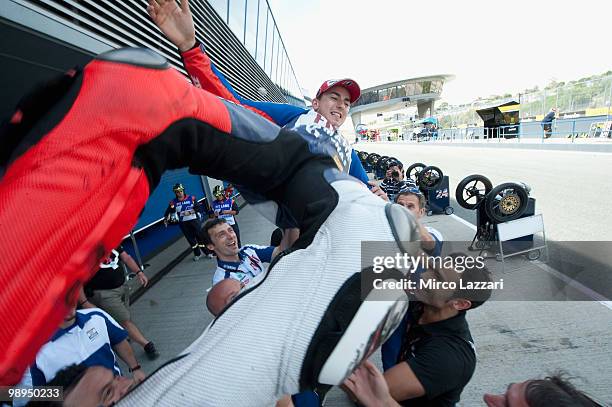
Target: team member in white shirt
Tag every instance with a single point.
(238, 263)
(89, 336)
(237, 268)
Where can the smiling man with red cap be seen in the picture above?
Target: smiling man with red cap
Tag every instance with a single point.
(334, 99)
(330, 107)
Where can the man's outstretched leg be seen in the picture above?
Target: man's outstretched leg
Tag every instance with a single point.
(83, 154)
(89, 158)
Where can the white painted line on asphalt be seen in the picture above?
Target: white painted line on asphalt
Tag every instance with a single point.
(569, 281)
(465, 222)
(576, 285)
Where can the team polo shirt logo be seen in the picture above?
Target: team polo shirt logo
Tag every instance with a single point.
(247, 268)
(112, 261)
(255, 263)
(92, 334)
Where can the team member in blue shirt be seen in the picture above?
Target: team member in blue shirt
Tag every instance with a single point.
(185, 209)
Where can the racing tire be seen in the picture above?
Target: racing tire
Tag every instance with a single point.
(373, 159)
(413, 171)
(479, 190)
(506, 202)
(429, 178)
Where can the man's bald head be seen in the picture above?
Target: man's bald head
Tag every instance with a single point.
(222, 294)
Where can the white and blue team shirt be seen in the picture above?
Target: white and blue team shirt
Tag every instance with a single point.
(224, 205)
(89, 341)
(250, 265)
(185, 208)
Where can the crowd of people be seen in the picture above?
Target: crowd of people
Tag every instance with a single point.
(427, 360)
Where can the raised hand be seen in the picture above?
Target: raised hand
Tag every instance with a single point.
(376, 190)
(175, 22)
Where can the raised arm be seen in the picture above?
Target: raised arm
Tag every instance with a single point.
(177, 24)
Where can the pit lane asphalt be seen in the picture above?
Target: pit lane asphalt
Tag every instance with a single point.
(572, 190)
(515, 340)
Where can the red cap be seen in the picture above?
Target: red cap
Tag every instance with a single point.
(348, 84)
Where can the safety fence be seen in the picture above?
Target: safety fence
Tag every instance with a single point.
(588, 129)
(585, 97)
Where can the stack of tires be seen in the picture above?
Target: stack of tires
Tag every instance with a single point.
(434, 185)
(505, 202)
(494, 205)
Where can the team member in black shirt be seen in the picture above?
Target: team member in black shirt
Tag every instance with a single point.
(438, 357)
(108, 290)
